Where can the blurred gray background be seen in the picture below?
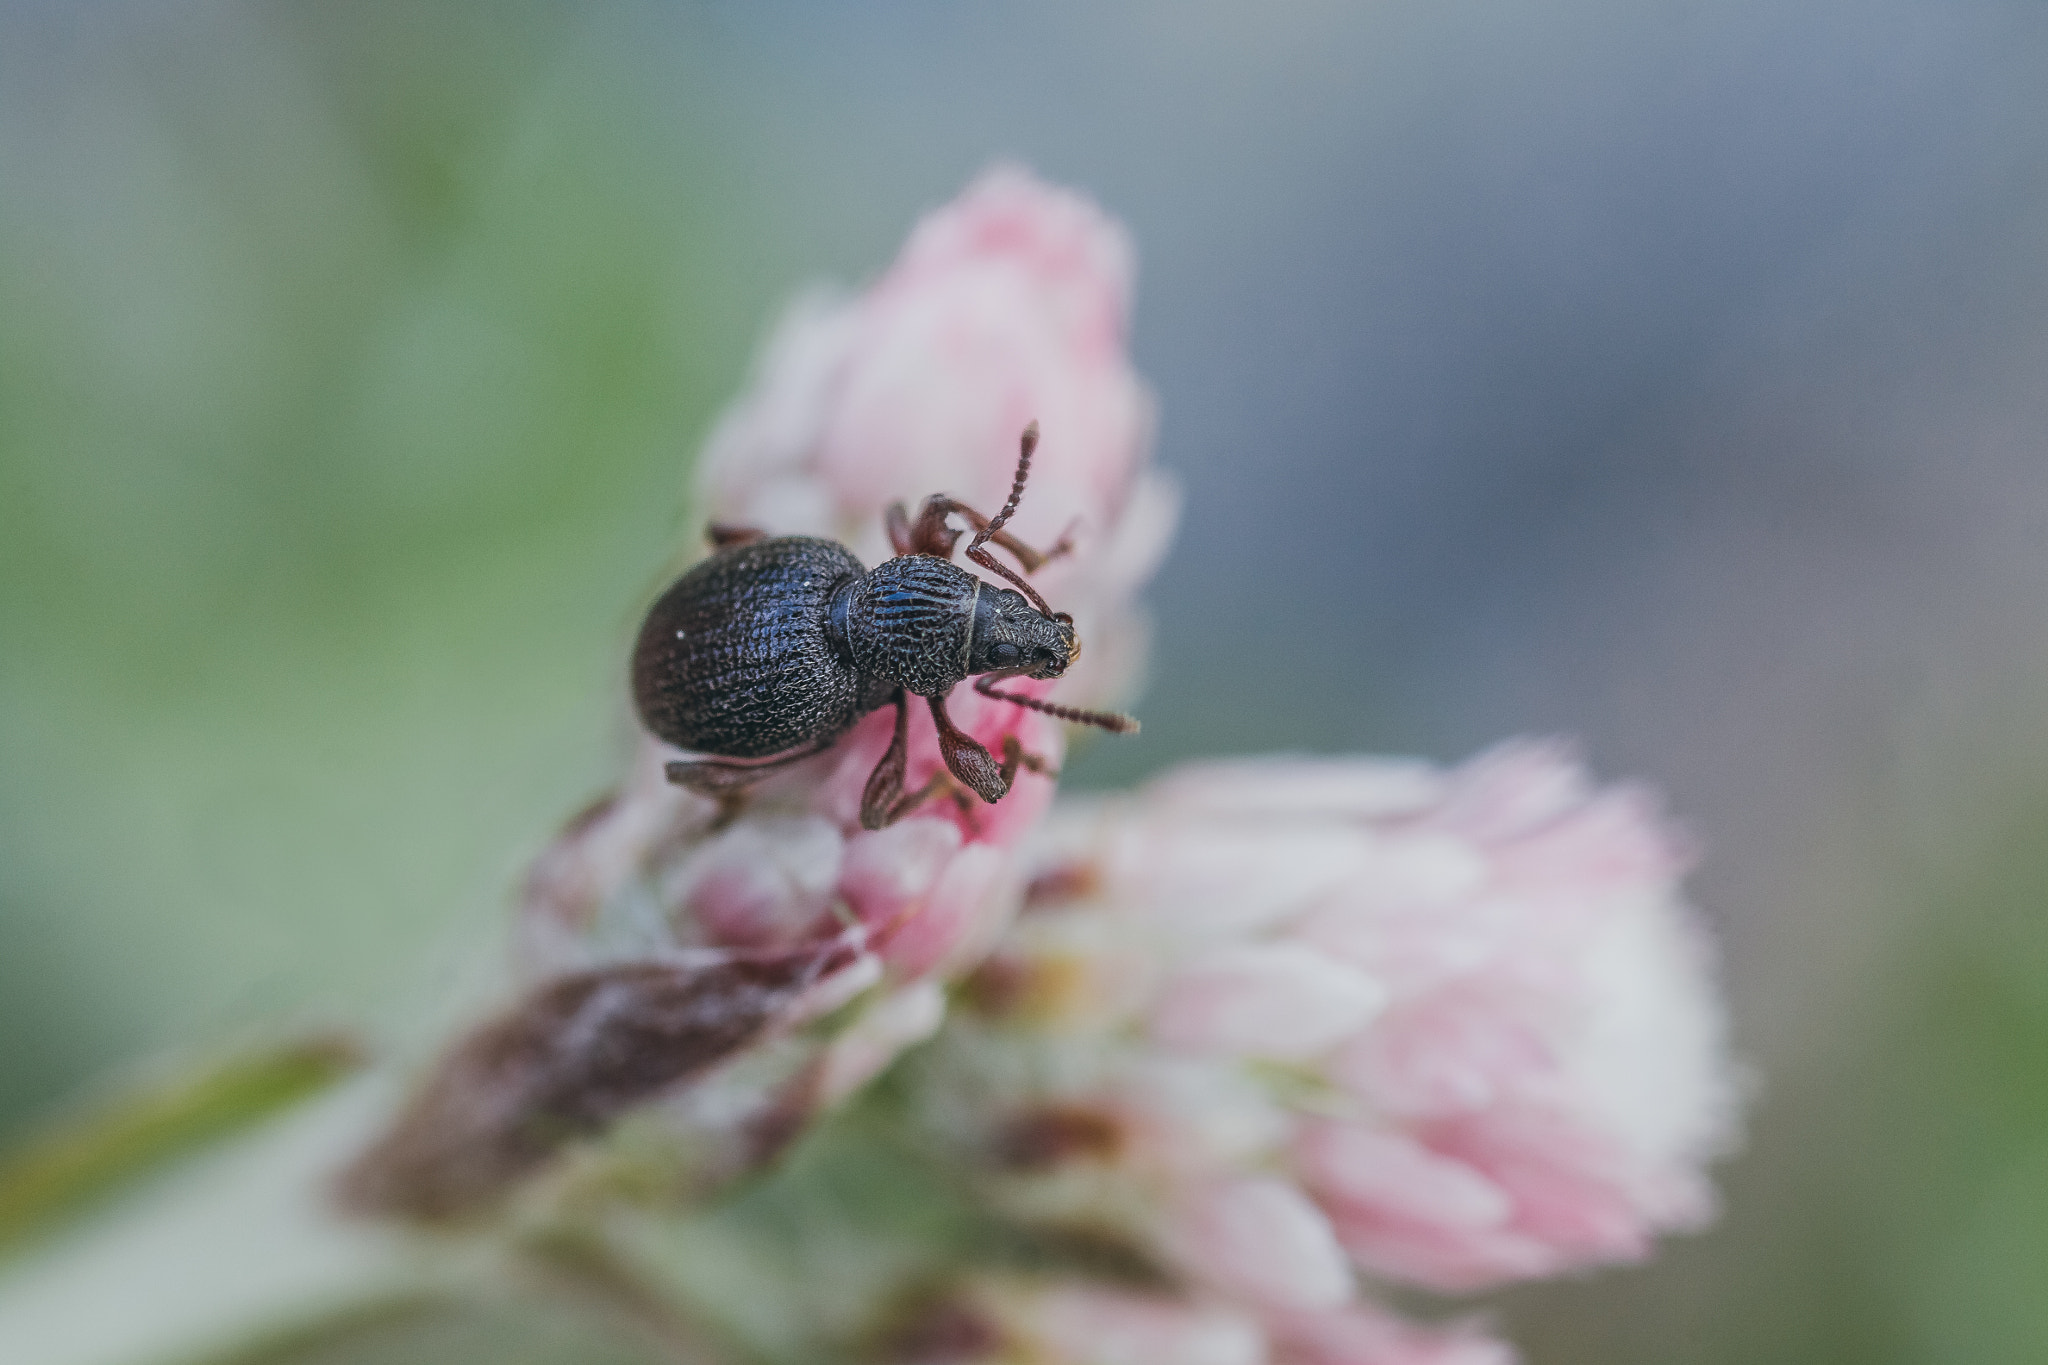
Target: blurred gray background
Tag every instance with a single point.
(1673, 376)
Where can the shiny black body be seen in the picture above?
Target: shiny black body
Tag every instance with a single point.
(776, 643)
(739, 657)
(772, 648)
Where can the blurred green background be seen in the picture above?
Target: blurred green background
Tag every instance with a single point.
(353, 356)
(1666, 375)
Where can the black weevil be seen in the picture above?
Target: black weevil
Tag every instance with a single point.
(772, 648)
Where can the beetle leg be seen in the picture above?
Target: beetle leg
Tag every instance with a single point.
(896, 521)
(966, 758)
(931, 535)
(884, 792)
(941, 783)
(723, 535)
(939, 505)
(883, 803)
(722, 776)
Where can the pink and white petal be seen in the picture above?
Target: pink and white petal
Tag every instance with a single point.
(1219, 880)
(1456, 1051)
(1392, 1177)
(959, 919)
(1258, 1239)
(1284, 1001)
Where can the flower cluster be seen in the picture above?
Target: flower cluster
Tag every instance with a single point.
(1278, 1022)
(1265, 1033)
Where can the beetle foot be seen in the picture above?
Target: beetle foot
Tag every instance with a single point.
(974, 765)
(723, 535)
(731, 805)
(1015, 756)
(882, 798)
(727, 786)
(942, 783)
(716, 777)
(711, 778)
(967, 758)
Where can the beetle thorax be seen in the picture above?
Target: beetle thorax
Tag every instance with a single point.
(910, 620)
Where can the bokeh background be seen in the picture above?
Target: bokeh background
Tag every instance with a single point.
(1670, 375)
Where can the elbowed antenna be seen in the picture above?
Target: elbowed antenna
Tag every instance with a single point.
(1116, 722)
(1026, 446)
(976, 548)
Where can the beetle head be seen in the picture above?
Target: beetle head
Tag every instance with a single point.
(1012, 636)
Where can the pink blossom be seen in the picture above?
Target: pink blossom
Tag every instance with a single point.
(1482, 1020)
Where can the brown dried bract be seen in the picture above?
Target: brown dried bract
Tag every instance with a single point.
(574, 1055)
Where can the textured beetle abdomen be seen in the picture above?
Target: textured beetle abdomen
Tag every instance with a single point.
(734, 660)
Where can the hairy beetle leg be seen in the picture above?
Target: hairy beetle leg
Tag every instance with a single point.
(941, 783)
(883, 795)
(723, 777)
(724, 536)
(930, 535)
(884, 801)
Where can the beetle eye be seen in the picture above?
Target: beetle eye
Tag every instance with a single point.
(1004, 654)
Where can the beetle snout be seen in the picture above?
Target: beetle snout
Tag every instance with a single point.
(1065, 650)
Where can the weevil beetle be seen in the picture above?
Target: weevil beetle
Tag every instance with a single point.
(767, 652)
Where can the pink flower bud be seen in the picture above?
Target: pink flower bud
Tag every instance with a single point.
(1360, 1167)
